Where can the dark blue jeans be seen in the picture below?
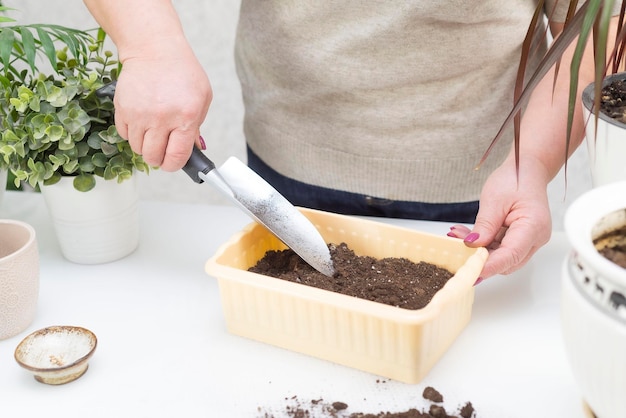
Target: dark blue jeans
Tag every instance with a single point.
(330, 200)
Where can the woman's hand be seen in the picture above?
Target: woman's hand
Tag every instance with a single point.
(160, 104)
(513, 221)
(163, 93)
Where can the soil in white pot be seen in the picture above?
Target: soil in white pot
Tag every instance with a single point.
(613, 100)
(393, 281)
(615, 253)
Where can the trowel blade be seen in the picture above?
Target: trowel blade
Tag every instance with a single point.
(264, 204)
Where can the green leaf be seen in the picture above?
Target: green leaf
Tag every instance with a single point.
(56, 133)
(82, 149)
(53, 179)
(30, 49)
(48, 46)
(84, 182)
(70, 167)
(108, 149)
(75, 120)
(99, 160)
(6, 83)
(7, 37)
(86, 165)
(59, 159)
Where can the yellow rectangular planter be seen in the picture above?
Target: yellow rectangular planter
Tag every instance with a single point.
(384, 340)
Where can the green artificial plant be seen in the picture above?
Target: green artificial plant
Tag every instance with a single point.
(52, 122)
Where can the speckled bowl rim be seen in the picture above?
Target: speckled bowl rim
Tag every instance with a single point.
(76, 362)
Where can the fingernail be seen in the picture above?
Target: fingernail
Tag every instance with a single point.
(451, 234)
(471, 237)
(452, 228)
(202, 143)
(480, 279)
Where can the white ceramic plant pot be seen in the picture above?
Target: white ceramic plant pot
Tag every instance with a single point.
(607, 145)
(97, 226)
(594, 302)
(3, 183)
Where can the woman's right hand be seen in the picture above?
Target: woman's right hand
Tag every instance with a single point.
(160, 104)
(163, 93)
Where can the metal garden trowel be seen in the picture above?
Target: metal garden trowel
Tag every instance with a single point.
(251, 193)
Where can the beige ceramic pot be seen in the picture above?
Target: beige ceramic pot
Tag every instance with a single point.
(3, 183)
(594, 301)
(19, 276)
(97, 226)
(384, 340)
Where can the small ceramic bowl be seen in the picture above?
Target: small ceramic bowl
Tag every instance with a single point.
(56, 355)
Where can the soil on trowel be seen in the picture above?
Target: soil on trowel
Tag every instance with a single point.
(393, 281)
(320, 408)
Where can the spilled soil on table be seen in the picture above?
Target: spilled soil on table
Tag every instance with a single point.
(393, 281)
(319, 408)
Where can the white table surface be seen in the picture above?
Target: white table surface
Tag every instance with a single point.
(163, 350)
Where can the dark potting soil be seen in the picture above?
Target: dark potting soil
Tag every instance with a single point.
(615, 253)
(613, 100)
(393, 281)
(312, 409)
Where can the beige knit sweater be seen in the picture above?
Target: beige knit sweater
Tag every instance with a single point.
(392, 99)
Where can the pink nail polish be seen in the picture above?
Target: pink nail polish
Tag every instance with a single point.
(202, 143)
(471, 237)
(451, 234)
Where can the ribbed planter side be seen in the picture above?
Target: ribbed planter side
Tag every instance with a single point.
(593, 301)
(98, 226)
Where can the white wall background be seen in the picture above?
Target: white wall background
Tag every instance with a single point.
(210, 27)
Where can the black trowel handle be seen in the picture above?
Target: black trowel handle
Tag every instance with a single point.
(198, 162)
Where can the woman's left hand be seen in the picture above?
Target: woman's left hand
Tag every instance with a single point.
(513, 221)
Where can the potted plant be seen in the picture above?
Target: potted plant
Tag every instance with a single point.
(606, 129)
(593, 282)
(59, 135)
(593, 297)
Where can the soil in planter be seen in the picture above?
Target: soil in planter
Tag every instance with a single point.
(309, 409)
(393, 281)
(613, 100)
(617, 252)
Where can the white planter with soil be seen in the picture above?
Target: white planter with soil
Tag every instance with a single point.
(594, 300)
(97, 226)
(607, 145)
